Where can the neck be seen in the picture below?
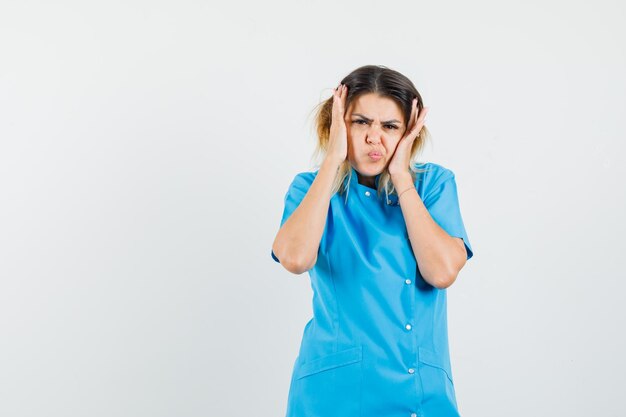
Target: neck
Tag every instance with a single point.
(367, 181)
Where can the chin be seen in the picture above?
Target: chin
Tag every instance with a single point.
(371, 168)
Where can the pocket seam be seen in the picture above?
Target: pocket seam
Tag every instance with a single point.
(428, 357)
(330, 361)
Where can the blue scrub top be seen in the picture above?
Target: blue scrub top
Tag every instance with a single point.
(377, 344)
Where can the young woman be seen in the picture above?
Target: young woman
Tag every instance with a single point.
(381, 237)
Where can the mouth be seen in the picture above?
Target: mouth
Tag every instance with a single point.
(375, 155)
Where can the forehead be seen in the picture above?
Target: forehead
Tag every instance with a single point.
(374, 106)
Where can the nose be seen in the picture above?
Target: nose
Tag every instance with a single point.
(373, 134)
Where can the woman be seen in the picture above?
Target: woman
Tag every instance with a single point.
(381, 239)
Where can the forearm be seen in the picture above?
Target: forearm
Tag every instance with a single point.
(436, 252)
(298, 240)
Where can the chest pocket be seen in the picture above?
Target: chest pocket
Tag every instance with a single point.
(329, 385)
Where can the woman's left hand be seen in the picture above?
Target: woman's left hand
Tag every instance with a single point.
(399, 164)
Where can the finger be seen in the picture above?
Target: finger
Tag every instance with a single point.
(422, 117)
(336, 96)
(337, 104)
(415, 125)
(337, 112)
(420, 121)
(422, 114)
(412, 117)
(344, 95)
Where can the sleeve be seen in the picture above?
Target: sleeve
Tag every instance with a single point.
(443, 205)
(295, 194)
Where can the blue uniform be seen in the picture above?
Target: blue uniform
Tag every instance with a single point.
(377, 344)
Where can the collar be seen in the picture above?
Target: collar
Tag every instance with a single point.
(354, 186)
(355, 179)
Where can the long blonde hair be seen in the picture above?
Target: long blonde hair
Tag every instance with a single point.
(386, 83)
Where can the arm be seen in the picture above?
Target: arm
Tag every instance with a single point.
(439, 256)
(297, 241)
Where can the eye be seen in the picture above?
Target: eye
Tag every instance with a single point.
(361, 120)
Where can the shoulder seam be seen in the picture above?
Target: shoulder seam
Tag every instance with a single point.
(445, 176)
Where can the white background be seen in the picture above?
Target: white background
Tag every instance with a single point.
(146, 147)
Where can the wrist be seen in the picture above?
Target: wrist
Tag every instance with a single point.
(401, 181)
(332, 162)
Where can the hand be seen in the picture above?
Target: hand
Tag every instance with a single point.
(338, 139)
(399, 164)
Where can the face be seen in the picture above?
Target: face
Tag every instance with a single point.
(374, 124)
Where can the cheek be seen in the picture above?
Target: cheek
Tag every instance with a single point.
(354, 136)
(392, 143)
(357, 128)
(350, 143)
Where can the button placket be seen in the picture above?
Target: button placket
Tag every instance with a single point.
(408, 326)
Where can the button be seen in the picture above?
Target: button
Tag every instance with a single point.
(367, 193)
(389, 202)
(413, 415)
(411, 370)
(407, 281)
(408, 327)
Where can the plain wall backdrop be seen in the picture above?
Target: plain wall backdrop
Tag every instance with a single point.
(146, 148)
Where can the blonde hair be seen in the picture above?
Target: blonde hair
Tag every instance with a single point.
(386, 83)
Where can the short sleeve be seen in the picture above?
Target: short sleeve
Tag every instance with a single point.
(442, 202)
(295, 194)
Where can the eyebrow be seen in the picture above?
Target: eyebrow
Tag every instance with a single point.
(370, 120)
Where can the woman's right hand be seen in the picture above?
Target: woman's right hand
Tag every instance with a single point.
(338, 139)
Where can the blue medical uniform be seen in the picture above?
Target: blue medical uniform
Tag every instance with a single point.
(377, 344)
